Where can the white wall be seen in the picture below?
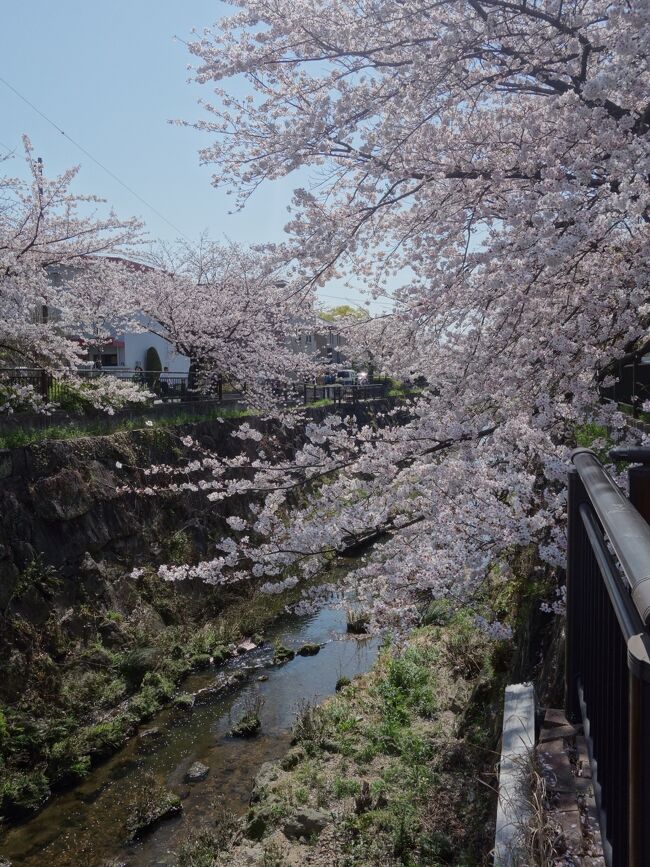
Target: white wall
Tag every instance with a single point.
(135, 350)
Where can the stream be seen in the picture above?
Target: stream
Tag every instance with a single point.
(85, 826)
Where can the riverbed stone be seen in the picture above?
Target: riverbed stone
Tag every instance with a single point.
(150, 740)
(197, 772)
(266, 776)
(151, 734)
(183, 701)
(208, 694)
(309, 649)
(305, 823)
(292, 758)
(147, 816)
(283, 654)
(245, 647)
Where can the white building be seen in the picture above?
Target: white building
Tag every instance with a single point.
(129, 350)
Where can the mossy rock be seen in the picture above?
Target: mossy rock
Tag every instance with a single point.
(342, 682)
(247, 727)
(200, 661)
(150, 812)
(292, 758)
(184, 701)
(357, 623)
(283, 654)
(309, 650)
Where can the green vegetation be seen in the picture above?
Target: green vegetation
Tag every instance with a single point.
(400, 389)
(593, 436)
(400, 760)
(81, 684)
(343, 311)
(153, 366)
(100, 427)
(36, 576)
(401, 757)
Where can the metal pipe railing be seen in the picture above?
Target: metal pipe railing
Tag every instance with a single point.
(608, 644)
(625, 528)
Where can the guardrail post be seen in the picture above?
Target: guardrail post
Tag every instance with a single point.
(574, 593)
(638, 648)
(639, 683)
(639, 478)
(45, 384)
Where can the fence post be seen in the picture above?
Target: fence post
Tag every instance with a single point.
(639, 681)
(639, 479)
(45, 384)
(638, 652)
(639, 483)
(574, 592)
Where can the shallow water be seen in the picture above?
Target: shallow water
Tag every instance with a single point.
(85, 827)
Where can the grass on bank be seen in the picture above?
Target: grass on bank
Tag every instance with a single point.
(70, 700)
(401, 759)
(78, 430)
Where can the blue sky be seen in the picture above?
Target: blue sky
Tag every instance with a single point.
(111, 75)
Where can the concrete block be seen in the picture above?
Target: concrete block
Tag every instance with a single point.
(518, 743)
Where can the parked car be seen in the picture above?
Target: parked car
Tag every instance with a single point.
(347, 377)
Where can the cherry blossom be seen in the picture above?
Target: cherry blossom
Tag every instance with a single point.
(53, 257)
(484, 163)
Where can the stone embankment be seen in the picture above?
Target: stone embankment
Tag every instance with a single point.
(87, 651)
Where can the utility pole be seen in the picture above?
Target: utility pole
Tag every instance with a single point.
(39, 170)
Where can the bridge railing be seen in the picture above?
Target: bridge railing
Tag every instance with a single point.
(608, 643)
(166, 385)
(339, 393)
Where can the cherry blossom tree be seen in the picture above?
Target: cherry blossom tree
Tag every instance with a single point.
(70, 280)
(59, 293)
(231, 310)
(497, 152)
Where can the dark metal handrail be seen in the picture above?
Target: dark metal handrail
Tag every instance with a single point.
(608, 644)
(626, 613)
(627, 531)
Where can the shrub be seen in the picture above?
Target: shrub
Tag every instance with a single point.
(22, 793)
(153, 366)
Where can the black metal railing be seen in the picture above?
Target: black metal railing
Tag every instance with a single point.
(631, 385)
(608, 643)
(339, 393)
(165, 385)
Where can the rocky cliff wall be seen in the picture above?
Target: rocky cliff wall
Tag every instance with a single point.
(59, 502)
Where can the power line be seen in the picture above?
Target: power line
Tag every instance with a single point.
(7, 148)
(91, 157)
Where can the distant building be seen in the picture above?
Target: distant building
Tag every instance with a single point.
(326, 346)
(127, 349)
